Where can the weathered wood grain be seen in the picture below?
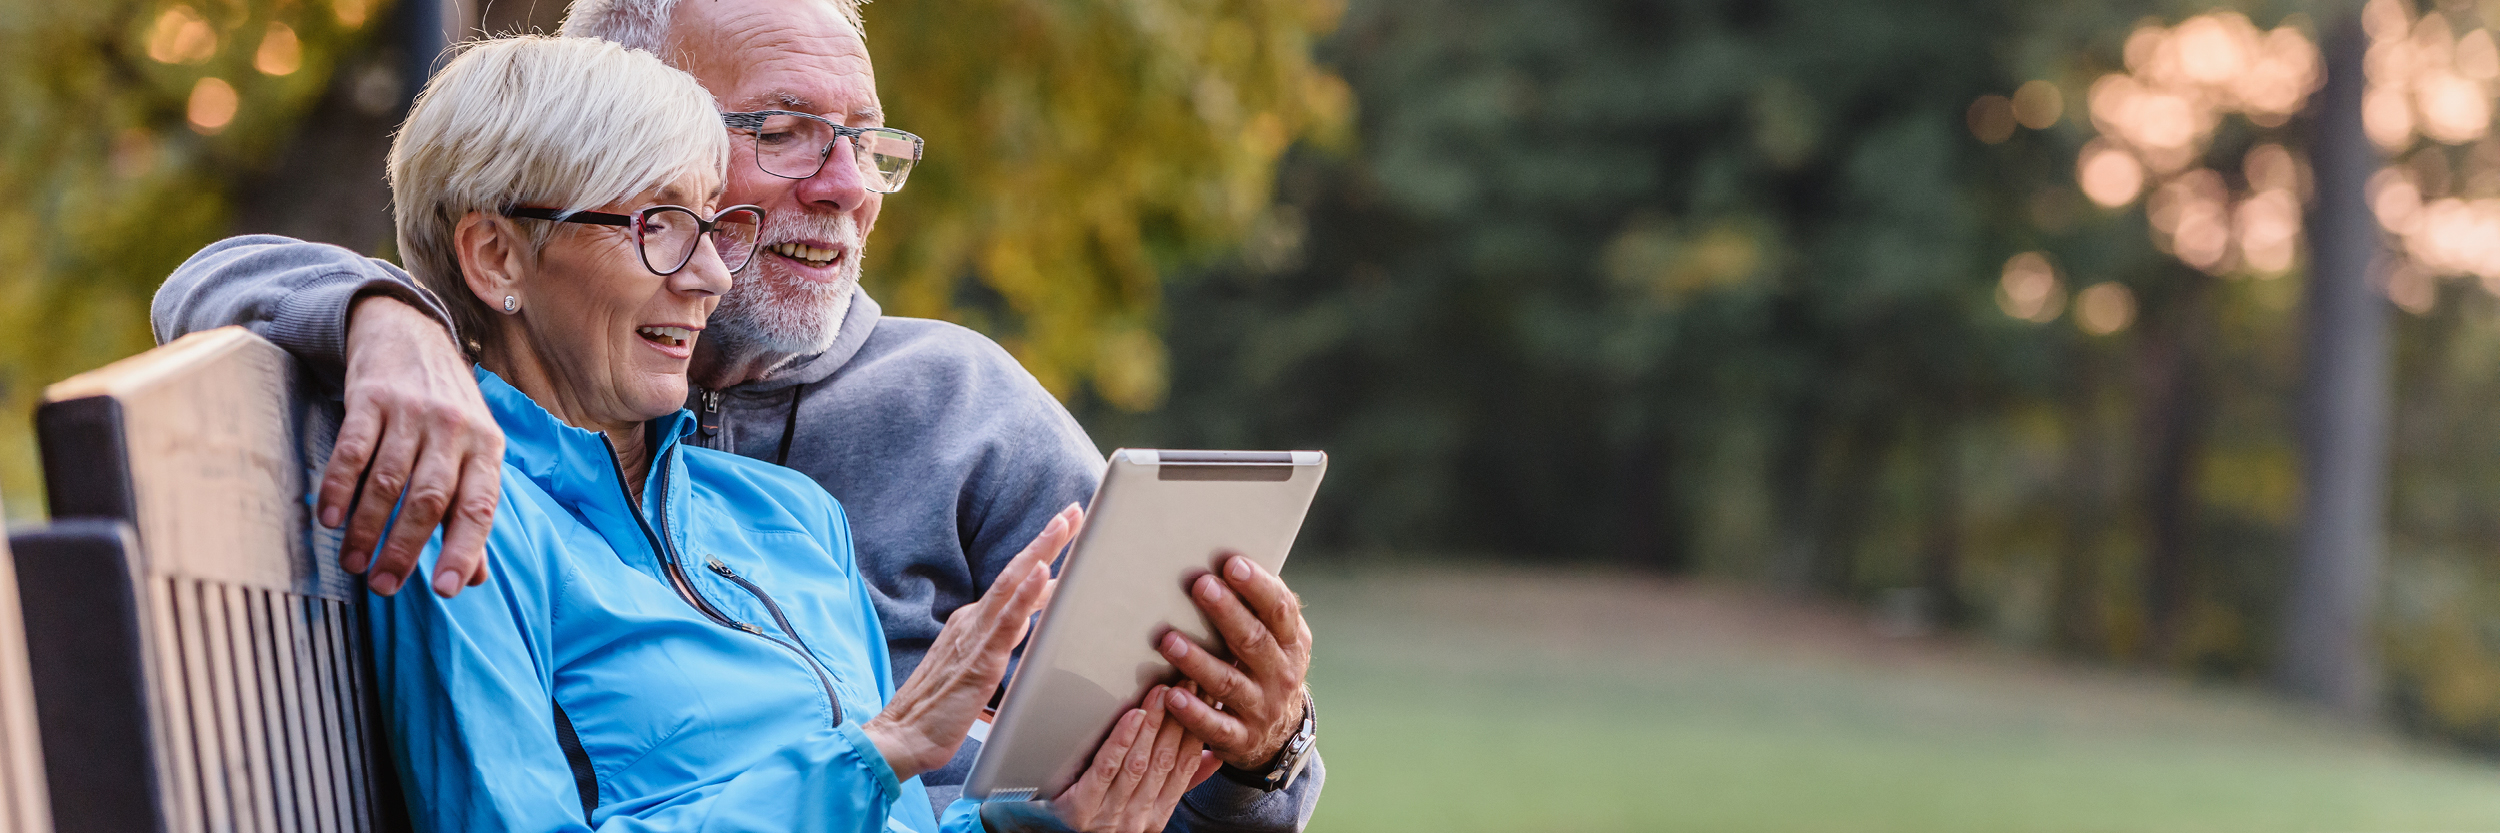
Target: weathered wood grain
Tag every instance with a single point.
(252, 637)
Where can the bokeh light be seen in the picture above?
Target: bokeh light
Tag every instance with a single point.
(2038, 104)
(181, 36)
(2191, 218)
(280, 53)
(1992, 118)
(2412, 289)
(351, 13)
(2396, 200)
(213, 104)
(2110, 176)
(2104, 308)
(2029, 290)
(2427, 82)
(2158, 119)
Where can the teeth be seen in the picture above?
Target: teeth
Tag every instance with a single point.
(812, 255)
(671, 336)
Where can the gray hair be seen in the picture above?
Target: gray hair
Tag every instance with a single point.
(643, 24)
(567, 123)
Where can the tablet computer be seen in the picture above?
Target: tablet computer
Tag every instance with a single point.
(1159, 520)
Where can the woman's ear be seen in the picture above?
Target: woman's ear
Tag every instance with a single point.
(492, 257)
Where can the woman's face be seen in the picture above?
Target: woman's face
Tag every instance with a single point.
(611, 337)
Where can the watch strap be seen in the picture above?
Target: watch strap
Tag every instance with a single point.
(1279, 772)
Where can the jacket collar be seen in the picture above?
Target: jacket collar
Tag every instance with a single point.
(571, 463)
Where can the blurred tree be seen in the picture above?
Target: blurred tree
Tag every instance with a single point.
(1078, 151)
(1653, 280)
(2326, 651)
(1802, 292)
(130, 124)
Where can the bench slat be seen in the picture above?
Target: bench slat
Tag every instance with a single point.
(24, 805)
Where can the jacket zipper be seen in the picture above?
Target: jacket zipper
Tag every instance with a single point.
(823, 674)
(709, 422)
(685, 588)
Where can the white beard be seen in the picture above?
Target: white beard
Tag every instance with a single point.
(770, 312)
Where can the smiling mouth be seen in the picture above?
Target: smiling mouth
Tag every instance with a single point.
(809, 255)
(668, 336)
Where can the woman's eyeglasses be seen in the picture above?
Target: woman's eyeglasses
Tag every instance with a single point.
(666, 234)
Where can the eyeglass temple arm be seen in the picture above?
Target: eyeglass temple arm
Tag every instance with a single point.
(592, 217)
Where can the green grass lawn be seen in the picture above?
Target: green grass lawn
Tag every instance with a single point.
(1467, 700)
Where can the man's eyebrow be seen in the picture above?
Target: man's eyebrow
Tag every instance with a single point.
(782, 100)
(786, 100)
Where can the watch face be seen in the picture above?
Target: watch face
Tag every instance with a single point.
(1290, 760)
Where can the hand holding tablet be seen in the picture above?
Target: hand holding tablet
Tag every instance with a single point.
(1161, 522)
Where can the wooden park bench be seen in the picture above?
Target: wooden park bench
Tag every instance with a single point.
(24, 806)
(200, 662)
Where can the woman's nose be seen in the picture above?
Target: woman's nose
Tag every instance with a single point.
(705, 274)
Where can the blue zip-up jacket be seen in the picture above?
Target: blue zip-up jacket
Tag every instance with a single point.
(702, 661)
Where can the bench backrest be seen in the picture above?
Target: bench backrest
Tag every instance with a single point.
(24, 805)
(239, 660)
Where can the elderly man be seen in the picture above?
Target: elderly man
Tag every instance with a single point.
(947, 454)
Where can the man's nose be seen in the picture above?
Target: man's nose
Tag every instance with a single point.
(837, 186)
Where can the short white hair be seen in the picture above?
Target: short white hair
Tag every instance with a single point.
(567, 123)
(643, 24)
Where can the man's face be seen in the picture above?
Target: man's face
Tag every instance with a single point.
(787, 55)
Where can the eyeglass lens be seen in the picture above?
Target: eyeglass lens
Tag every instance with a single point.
(795, 147)
(668, 235)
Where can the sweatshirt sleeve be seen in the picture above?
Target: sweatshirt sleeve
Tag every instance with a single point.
(294, 293)
(468, 699)
(1221, 806)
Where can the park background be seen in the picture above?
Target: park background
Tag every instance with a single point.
(1744, 414)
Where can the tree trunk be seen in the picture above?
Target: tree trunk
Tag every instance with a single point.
(2076, 612)
(2173, 431)
(2326, 654)
(1940, 570)
(327, 185)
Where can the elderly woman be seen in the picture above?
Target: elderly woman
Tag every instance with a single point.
(670, 638)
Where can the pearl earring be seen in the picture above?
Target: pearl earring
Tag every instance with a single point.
(510, 304)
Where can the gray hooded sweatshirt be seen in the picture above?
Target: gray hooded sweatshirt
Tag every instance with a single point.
(946, 454)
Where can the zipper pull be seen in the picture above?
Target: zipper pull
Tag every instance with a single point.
(713, 561)
(751, 629)
(709, 420)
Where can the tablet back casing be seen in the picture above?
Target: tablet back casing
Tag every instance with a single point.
(1158, 521)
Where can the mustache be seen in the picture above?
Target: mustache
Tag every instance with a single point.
(838, 228)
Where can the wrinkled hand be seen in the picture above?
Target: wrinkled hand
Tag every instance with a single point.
(1261, 690)
(415, 425)
(1138, 774)
(920, 728)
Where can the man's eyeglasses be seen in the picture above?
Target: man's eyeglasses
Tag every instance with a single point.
(795, 145)
(666, 234)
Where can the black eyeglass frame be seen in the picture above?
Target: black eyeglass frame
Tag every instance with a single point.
(753, 121)
(634, 221)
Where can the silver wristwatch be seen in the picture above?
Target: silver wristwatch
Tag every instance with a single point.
(1296, 754)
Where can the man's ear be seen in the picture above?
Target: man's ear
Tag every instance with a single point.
(493, 256)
